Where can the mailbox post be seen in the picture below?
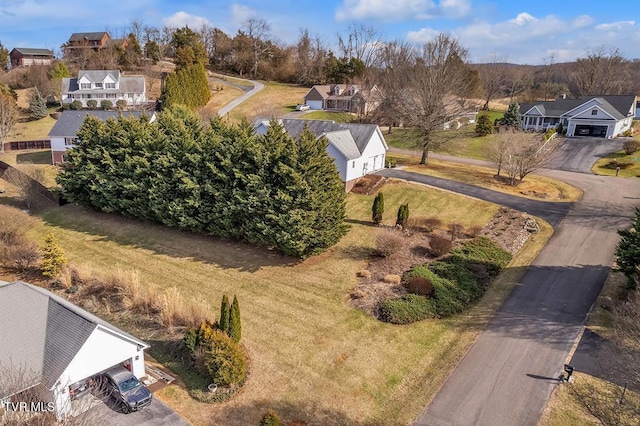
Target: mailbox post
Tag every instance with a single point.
(568, 368)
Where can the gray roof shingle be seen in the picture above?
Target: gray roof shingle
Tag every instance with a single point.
(28, 51)
(343, 141)
(70, 121)
(617, 106)
(361, 133)
(88, 36)
(41, 332)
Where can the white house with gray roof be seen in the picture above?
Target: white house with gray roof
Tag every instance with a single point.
(53, 344)
(357, 149)
(101, 85)
(63, 134)
(600, 116)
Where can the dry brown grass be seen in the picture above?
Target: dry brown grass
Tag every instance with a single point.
(219, 98)
(275, 100)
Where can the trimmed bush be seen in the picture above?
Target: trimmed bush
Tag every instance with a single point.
(430, 224)
(190, 338)
(403, 215)
(121, 104)
(378, 208)
(631, 146)
(224, 360)
(106, 104)
(225, 313)
(439, 245)
(52, 257)
(406, 309)
(92, 104)
(235, 325)
(270, 418)
(392, 279)
(75, 105)
(419, 285)
(388, 242)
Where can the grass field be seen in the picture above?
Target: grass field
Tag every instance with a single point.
(533, 186)
(340, 117)
(629, 164)
(275, 100)
(38, 157)
(314, 358)
(220, 98)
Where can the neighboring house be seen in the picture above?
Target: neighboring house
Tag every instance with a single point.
(102, 85)
(461, 120)
(63, 135)
(94, 41)
(49, 344)
(342, 97)
(357, 149)
(119, 43)
(26, 56)
(599, 116)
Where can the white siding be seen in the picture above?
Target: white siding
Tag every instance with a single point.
(57, 144)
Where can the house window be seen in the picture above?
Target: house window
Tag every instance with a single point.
(353, 166)
(594, 112)
(69, 141)
(112, 95)
(98, 85)
(84, 86)
(110, 85)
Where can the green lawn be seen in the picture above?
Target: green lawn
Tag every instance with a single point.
(340, 117)
(314, 358)
(275, 100)
(629, 164)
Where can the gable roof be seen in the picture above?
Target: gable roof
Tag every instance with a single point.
(95, 36)
(29, 51)
(343, 141)
(98, 75)
(70, 121)
(617, 106)
(41, 332)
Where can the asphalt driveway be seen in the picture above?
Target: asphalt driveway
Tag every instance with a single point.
(578, 154)
(107, 413)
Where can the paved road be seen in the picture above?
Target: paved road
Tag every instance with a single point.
(507, 376)
(257, 86)
(578, 154)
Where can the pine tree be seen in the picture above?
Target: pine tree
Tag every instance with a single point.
(378, 208)
(225, 313)
(235, 326)
(628, 252)
(4, 58)
(483, 125)
(52, 257)
(403, 215)
(512, 116)
(37, 105)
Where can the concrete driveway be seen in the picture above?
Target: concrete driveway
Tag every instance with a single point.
(579, 154)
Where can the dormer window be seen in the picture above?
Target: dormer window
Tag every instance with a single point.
(98, 85)
(109, 85)
(85, 86)
(594, 112)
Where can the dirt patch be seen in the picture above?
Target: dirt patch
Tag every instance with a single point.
(509, 228)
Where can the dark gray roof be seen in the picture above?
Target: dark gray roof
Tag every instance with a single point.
(87, 36)
(127, 84)
(361, 133)
(98, 75)
(70, 121)
(41, 332)
(26, 51)
(617, 106)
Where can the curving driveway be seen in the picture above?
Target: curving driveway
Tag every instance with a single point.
(257, 86)
(507, 376)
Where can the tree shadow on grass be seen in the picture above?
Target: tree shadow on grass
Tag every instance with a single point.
(39, 157)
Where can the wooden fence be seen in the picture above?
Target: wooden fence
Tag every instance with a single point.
(22, 145)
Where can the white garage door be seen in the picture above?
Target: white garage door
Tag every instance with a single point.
(315, 104)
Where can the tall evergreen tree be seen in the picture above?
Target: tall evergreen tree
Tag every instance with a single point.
(235, 325)
(512, 115)
(225, 313)
(628, 252)
(37, 105)
(378, 208)
(4, 58)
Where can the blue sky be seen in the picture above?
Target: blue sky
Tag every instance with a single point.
(524, 31)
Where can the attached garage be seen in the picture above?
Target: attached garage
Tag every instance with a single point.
(315, 105)
(57, 345)
(591, 130)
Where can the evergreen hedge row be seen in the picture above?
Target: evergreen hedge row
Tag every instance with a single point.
(218, 179)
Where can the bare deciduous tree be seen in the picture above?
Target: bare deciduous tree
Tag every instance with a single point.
(257, 30)
(8, 117)
(603, 71)
(493, 75)
(26, 181)
(362, 43)
(518, 154)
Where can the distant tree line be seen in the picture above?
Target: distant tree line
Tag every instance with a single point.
(219, 179)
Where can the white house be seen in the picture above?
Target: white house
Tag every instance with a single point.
(101, 85)
(51, 344)
(357, 149)
(601, 116)
(63, 134)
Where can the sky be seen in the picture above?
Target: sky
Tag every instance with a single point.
(520, 31)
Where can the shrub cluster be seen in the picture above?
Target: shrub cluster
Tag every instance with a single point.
(631, 146)
(16, 251)
(449, 286)
(221, 179)
(439, 245)
(388, 242)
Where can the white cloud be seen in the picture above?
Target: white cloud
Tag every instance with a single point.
(616, 26)
(181, 19)
(241, 13)
(397, 10)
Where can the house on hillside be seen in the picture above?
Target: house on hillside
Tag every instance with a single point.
(343, 97)
(27, 56)
(64, 133)
(94, 41)
(102, 85)
(50, 344)
(597, 116)
(357, 149)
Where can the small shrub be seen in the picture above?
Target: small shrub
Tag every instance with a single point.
(406, 309)
(235, 324)
(52, 257)
(484, 251)
(106, 104)
(66, 106)
(21, 255)
(631, 146)
(224, 359)
(474, 231)
(627, 133)
(363, 274)
(14, 224)
(225, 314)
(419, 285)
(483, 125)
(448, 298)
(270, 418)
(392, 279)
(549, 134)
(190, 338)
(456, 231)
(439, 245)
(430, 224)
(392, 162)
(92, 104)
(388, 242)
(378, 208)
(121, 104)
(403, 215)
(75, 105)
